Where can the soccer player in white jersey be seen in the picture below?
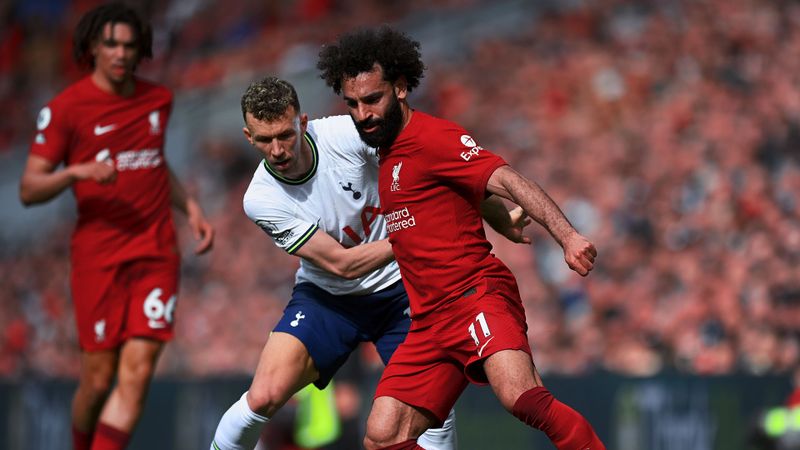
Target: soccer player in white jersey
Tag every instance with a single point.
(315, 194)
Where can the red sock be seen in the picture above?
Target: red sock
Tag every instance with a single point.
(109, 438)
(565, 427)
(407, 445)
(81, 440)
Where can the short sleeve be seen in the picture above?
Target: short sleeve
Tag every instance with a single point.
(455, 158)
(52, 134)
(286, 230)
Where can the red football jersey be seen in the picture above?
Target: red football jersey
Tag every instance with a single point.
(131, 217)
(432, 181)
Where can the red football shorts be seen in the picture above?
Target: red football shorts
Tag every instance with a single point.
(132, 299)
(444, 351)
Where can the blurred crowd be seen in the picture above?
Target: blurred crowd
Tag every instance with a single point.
(668, 131)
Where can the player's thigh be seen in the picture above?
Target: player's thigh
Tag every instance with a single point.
(329, 335)
(99, 297)
(283, 368)
(392, 421)
(392, 335)
(98, 369)
(511, 373)
(153, 286)
(384, 318)
(485, 324)
(422, 374)
(137, 361)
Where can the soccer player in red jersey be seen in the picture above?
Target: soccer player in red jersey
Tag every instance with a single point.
(108, 131)
(468, 322)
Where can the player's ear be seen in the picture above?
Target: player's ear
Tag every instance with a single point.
(400, 87)
(94, 43)
(247, 135)
(303, 122)
(93, 48)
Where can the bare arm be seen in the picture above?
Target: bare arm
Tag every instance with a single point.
(508, 223)
(41, 182)
(201, 228)
(579, 253)
(350, 263)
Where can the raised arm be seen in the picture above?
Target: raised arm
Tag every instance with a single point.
(41, 181)
(350, 263)
(201, 228)
(579, 253)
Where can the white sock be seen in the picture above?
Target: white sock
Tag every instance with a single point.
(239, 428)
(440, 438)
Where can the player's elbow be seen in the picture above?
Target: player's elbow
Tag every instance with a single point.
(347, 272)
(345, 263)
(30, 196)
(346, 268)
(352, 275)
(26, 195)
(25, 200)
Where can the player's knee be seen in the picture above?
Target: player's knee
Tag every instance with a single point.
(371, 444)
(375, 438)
(259, 400)
(266, 399)
(380, 433)
(138, 361)
(508, 402)
(508, 395)
(137, 373)
(98, 384)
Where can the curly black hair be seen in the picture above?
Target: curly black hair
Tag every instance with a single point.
(269, 98)
(91, 26)
(358, 51)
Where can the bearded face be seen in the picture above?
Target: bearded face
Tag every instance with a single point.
(381, 132)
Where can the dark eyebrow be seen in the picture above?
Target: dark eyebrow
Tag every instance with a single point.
(112, 42)
(372, 96)
(281, 135)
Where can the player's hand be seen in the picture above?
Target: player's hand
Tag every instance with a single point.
(201, 228)
(579, 254)
(519, 220)
(99, 171)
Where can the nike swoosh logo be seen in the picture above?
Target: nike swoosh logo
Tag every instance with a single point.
(480, 350)
(98, 130)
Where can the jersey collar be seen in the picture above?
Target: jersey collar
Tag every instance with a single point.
(303, 178)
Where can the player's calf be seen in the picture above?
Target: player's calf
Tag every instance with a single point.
(239, 428)
(565, 427)
(81, 440)
(87, 403)
(107, 437)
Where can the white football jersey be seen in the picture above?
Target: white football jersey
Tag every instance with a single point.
(338, 196)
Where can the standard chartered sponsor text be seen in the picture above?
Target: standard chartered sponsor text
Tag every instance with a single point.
(399, 219)
(147, 158)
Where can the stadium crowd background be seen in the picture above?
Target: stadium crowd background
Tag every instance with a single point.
(668, 131)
